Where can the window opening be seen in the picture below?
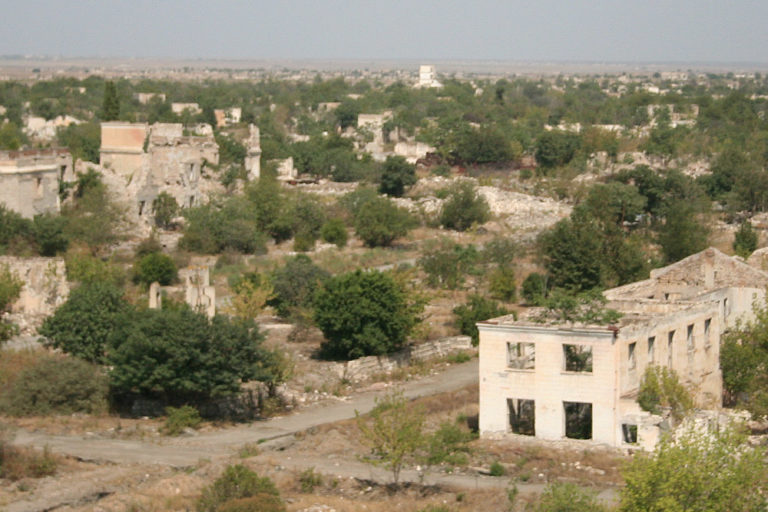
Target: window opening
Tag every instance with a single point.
(522, 416)
(578, 358)
(578, 420)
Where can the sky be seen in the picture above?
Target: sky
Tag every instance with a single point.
(505, 30)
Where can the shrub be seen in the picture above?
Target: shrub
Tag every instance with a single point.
(568, 497)
(10, 288)
(446, 263)
(48, 231)
(477, 309)
(165, 208)
(180, 418)
(156, 267)
(464, 207)
(363, 313)
(448, 444)
(57, 385)
(334, 231)
(745, 240)
(294, 285)
(534, 289)
(379, 222)
(235, 483)
(82, 325)
(660, 387)
(303, 241)
(85, 268)
(18, 463)
(309, 479)
(396, 175)
(497, 469)
(502, 284)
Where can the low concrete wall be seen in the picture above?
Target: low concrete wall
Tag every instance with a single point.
(360, 369)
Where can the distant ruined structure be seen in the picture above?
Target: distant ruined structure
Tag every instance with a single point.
(30, 179)
(147, 160)
(253, 155)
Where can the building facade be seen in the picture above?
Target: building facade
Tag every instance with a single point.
(564, 380)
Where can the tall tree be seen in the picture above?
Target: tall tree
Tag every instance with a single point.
(111, 106)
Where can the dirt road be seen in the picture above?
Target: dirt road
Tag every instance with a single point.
(187, 451)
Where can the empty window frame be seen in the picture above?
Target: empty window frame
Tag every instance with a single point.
(629, 433)
(651, 348)
(577, 358)
(522, 416)
(521, 356)
(631, 358)
(578, 420)
(689, 338)
(707, 326)
(670, 347)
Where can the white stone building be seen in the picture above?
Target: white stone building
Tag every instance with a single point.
(30, 179)
(564, 380)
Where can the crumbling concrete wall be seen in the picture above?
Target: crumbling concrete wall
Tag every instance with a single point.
(253, 155)
(365, 367)
(29, 180)
(45, 289)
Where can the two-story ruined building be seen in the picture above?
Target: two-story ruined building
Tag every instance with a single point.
(30, 180)
(556, 381)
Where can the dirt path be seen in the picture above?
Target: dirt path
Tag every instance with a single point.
(187, 451)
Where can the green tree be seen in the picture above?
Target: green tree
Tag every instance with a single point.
(695, 471)
(110, 110)
(477, 309)
(11, 136)
(446, 263)
(10, 288)
(181, 356)
(334, 231)
(682, 234)
(83, 141)
(82, 325)
(394, 431)
(155, 266)
(556, 148)
(396, 175)
(363, 313)
(745, 240)
(14, 229)
(48, 232)
(573, 253)
(534, 289)
(165, 208)
(379, 222)
(94, 218)
(295, 284)
(464, 207)
(661, 387)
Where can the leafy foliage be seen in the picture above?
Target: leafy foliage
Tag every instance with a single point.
(396, 176)
(464, 207)
(334, 231)
(110, 110)
(661, 387)
(534, 289)
(165, 208)
(446, 263)
(237, 482)
(682, 234)
(568, 497)
(156, 266)
(10, 289)
(58, 385)
(378, 222)
(477, 309)
(181, 356)
(180, 418)
(82, 325)
(295, 284)
(745, 240)
(215, 227)
(713, 471)
(363, 313)
(393, 431)
(586, 307)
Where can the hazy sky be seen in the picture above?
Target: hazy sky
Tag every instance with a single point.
(530, 30)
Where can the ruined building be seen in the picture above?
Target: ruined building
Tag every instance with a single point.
(147, 160)
(30, 179)
(566, 380)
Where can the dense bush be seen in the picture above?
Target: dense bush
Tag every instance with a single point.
(182, 357)
(464, 207)
(294, 285)
(477, 309)
(745, 240)
(363, 313)
(660, 387)
(334, 231)
(232, 224)
(57, 385)
(396, 175)
(164, 209)
(82, 325)
(18, 463)
(237, 482)
(568, 497)
(10, 288)
(156, 267)
(378, 222)
(534, 289)
(180, 418)
(447, 263)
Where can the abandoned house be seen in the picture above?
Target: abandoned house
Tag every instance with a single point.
(30, 179)
(570, 380)
(157, 158)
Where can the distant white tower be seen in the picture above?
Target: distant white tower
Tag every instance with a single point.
(428, 76)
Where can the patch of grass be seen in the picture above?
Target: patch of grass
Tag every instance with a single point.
(458, 357)
(497, 469)
(248, 450)
(17, 463)
(309, 479)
